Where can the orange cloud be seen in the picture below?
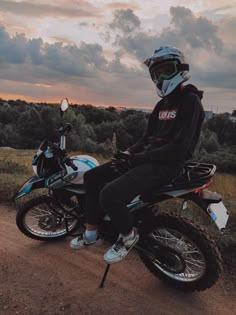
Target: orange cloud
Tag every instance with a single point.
(122, 5)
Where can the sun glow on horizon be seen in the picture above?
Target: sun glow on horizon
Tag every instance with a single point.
(72, 101)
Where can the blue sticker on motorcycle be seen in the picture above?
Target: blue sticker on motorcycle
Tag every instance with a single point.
(212, 214)
(87, 162)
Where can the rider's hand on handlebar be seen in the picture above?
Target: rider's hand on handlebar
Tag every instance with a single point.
(122, 155)
(138, 158)
(121, 162)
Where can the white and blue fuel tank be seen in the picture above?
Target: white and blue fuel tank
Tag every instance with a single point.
(69, 176)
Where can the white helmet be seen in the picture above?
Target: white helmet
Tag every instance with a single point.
(167, 69)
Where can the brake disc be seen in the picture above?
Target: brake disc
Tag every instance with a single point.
(48, 222)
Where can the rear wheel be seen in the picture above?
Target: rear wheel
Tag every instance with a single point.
(42, 218)
(192, 263)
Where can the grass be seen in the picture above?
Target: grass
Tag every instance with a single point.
(15, 169)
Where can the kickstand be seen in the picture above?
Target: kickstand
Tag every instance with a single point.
(104, 276)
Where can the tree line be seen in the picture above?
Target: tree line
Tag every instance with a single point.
(98, 130)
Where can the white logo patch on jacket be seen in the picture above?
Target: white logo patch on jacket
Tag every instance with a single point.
(167, 114)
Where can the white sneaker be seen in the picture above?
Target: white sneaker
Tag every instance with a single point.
(120, 249)
(81, 242)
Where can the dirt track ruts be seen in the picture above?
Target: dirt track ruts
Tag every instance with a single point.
(39, 278)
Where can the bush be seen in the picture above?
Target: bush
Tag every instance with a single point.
(212, 144)
(224, 161)
(88, 146)
(105, 148)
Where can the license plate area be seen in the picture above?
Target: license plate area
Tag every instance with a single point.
(219, 214)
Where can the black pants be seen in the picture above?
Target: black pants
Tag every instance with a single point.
(111, 192)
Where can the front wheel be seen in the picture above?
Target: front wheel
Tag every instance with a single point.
(42, 219)
(181, 253)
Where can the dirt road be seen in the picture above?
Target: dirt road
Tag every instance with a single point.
(51, 279)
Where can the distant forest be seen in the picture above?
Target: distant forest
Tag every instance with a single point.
(97, 130)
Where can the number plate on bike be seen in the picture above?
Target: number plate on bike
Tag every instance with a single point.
(219, 214)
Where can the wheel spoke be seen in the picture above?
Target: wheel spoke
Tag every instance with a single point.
(41, 221)
(193, 258)
(195, 262)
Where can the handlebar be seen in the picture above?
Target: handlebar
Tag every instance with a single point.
(64, 158)
(70, 163)
(65, 129)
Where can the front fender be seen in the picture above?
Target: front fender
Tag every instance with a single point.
(34, 182)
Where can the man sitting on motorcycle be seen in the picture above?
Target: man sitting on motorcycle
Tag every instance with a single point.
(169, 140)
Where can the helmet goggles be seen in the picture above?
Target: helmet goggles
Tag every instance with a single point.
(164, 70)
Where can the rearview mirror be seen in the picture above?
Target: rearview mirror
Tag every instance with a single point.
(64, 104)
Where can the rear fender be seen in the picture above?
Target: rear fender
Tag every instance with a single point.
(34, 182)
(211, 203)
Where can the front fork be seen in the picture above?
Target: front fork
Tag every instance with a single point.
(76, 211)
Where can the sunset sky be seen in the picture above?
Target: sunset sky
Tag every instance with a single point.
(93, 51)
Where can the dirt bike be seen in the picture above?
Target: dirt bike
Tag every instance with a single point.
(173, 248)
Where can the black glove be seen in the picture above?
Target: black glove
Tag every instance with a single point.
(138, 158)
(121, 162)
(120, 155)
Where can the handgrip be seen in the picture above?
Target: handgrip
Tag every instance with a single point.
(70, 163)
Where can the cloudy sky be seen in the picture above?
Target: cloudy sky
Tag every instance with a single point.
(93, 51)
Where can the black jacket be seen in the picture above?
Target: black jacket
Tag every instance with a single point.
(173, 129)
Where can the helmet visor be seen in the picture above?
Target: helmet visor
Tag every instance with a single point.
(164, 71)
